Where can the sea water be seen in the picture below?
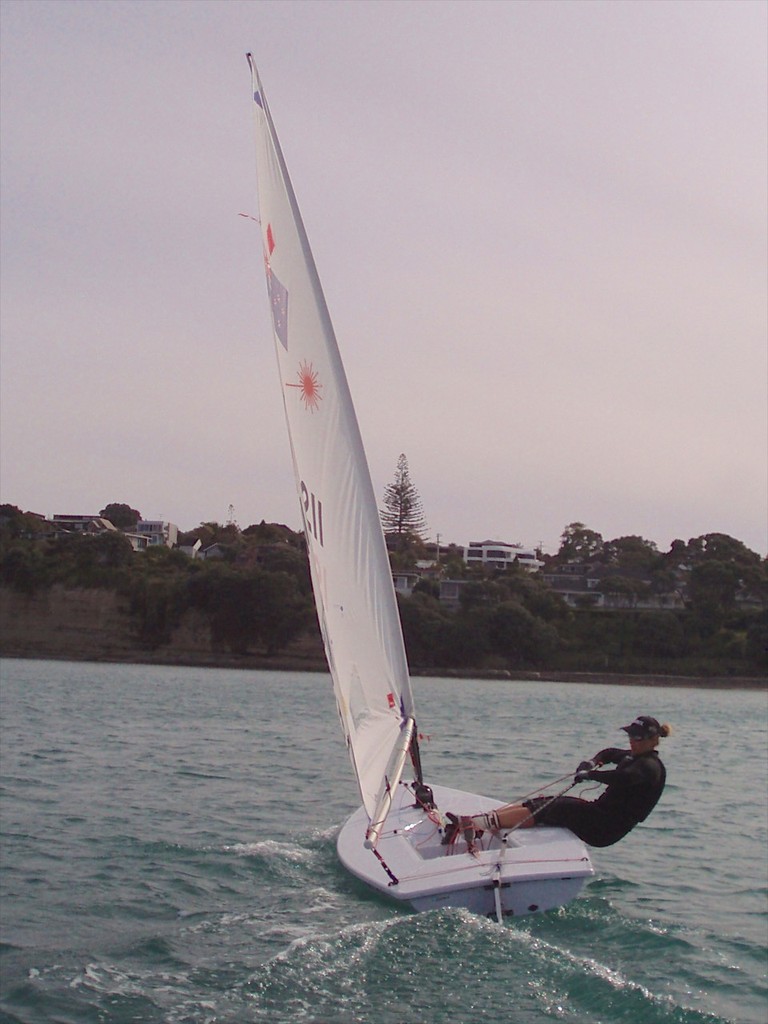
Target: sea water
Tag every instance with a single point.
(168, 855)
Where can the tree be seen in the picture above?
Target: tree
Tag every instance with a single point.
(712, 590)
(22, 567)
(482, 593)
(156, 605)
(121, 515)
(248, 608)
(213, 533)
(424, 622)
(720, 570)
(274, 533)
(625, 591)
(757, 642)
(631, 553)
(101, 560)
(463, 640)
(15, 523)
(660, 635)
(721, 548)
(579, 544)
(402, 514)
(519, 636)
(110, 550)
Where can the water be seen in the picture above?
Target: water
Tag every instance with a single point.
(168, 856)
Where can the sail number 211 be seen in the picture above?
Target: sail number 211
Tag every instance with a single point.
(313, 513)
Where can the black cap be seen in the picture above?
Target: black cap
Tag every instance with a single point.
(643, 728)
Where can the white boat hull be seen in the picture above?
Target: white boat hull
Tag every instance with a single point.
(522, 872)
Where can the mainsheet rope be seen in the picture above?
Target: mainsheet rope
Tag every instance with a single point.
(520, 824)
(528, 796)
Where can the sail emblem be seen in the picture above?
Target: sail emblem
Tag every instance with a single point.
(309, 386)
(278, 300)
(278, 294)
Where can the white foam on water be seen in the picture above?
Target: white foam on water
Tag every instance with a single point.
(271, 849)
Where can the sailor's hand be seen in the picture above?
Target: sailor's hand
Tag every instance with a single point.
(582, 772)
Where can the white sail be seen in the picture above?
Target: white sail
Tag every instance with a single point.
(413, 859)
(350, 570)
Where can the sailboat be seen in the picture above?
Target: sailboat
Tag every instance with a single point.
(395, 841)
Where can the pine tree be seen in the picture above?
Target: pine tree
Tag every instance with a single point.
(402, 513)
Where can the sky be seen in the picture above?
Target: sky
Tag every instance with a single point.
(540, 228)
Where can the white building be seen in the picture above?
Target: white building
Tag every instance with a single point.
(158, 532)
(405, 582)
(496, 554)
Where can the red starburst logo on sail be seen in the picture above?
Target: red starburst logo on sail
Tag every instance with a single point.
(309, 386)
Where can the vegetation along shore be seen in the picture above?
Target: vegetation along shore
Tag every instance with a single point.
(694, 615)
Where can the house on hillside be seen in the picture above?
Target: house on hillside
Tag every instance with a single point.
(495, 554)
(450, 593)
(216, 550)
(191, 550)
(83, 524)
(405, 582)
(158, 532)
(594, 585)
(138, 541)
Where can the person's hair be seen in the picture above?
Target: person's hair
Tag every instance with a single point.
(665, 729)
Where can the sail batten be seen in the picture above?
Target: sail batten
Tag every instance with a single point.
(349, 565)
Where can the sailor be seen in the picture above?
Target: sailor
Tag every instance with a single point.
(632, 790)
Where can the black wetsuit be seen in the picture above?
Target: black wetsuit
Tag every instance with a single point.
(632, 791)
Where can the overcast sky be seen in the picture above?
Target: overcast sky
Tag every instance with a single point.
(540, 226)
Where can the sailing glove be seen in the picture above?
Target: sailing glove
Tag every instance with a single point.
(583, 770)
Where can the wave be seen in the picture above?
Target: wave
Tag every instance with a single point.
(451, 965)
(582, 964)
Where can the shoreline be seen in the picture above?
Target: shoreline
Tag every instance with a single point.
(286, 663)
(94, 626)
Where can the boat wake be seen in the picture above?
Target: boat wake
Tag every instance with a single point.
(273, 852)
(414, 958)
(577, 964)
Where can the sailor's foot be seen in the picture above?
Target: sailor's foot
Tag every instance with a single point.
(471, 832)
(452, 829)
(463, 824)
